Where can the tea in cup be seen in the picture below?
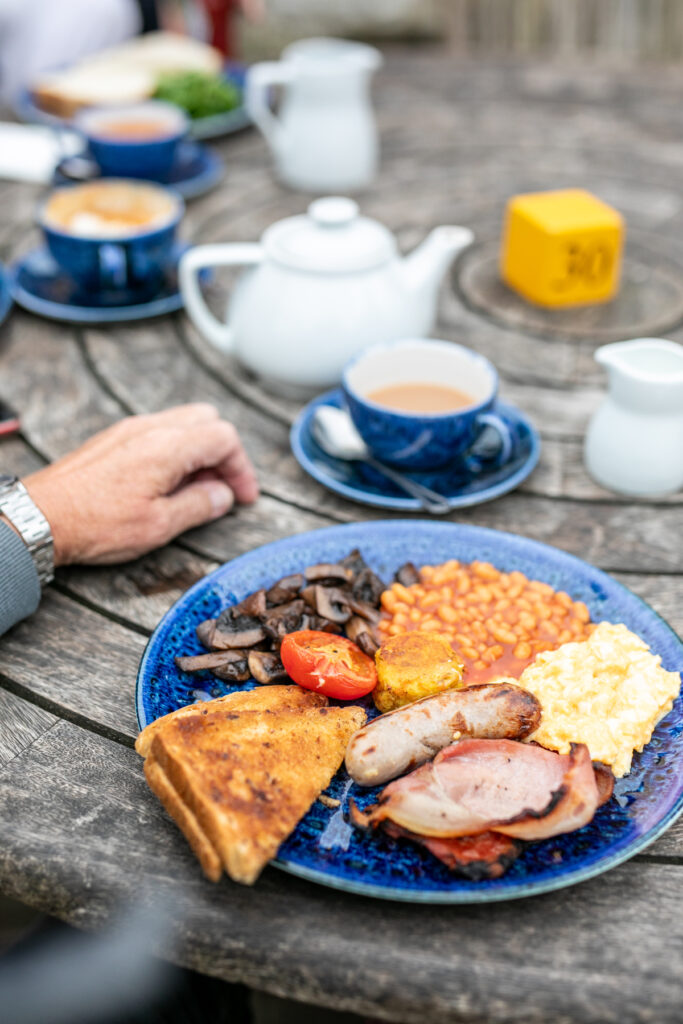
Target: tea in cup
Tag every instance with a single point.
(138, 141)
(112, 233)
(420, 404)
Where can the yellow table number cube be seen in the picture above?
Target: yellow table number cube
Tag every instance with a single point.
(562, 248)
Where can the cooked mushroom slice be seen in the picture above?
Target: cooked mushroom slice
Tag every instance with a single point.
(205, 631)
(366, 611)
(283, 619)
(354, 561)
(285, 589)
(310, 621)
(235, 672)
(243, 631)
(367, 587)
(332, 603)
(367, 644)
(266, 667)
(310, 596)
(407, 575)
(216, 659)
(354, 627)
(326, 573)
(253, 605)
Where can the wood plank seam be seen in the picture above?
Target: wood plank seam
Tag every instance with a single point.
(64, 713)
(106, 613)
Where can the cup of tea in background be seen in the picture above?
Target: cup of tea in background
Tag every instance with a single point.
(420, 404)
(136, 141)
(112, 233)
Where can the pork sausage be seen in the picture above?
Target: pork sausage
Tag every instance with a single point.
(407, 737)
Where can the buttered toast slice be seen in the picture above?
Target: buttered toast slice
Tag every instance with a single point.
(272, 697)
(249, 777)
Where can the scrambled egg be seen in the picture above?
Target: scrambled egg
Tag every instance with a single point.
(608, 692)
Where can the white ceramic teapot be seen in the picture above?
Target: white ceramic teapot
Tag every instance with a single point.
(324, 138)
(322, 287)
(634, 442)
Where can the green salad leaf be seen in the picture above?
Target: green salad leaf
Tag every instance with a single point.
(198, 93)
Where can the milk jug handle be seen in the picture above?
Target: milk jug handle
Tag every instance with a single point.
(260, 80)
(189, 269)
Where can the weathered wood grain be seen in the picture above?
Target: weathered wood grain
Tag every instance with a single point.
(16, 457)
(21, 724)
(77, 663)
(82, 835)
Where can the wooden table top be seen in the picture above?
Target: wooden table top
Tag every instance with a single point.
(81, 832)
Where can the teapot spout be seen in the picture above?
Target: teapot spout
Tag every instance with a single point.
(424, 268)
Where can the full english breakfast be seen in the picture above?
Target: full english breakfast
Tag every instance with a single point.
(505, 714)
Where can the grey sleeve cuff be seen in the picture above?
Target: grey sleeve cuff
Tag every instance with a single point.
(19, 584)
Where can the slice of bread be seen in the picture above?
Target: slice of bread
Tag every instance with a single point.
(272, 697)
(127, 73)
(167, 51)
(186, 821)
(92, 85)
(248, 777)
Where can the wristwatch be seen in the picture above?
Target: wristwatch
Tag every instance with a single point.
(26, 517)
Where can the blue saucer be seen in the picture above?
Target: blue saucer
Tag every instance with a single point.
(41, 286)
(197, 170)
(479, 479)
(5, 295)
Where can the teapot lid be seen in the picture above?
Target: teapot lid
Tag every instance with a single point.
(330, 238)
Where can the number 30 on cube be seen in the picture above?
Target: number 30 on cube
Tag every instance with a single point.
(562, 248)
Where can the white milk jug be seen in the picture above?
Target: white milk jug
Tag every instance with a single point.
(324, 138)
(634, 442)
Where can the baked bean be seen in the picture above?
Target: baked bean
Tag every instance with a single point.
(496, 621)
(447, 613)
(403, 594)
(581, 612)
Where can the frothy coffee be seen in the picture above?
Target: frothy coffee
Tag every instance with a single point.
(109, 209)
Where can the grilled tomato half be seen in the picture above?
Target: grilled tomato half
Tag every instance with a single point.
(327, 663)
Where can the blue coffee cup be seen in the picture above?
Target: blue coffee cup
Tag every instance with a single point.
(137, 141)
(112, 234)
(423, 440)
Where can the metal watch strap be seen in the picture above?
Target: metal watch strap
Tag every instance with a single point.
(17, 506)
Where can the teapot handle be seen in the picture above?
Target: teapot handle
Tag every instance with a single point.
(198, 259)
(260, 79)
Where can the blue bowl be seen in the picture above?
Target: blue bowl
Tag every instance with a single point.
(119, 156)
(423, 441)
(117, 261)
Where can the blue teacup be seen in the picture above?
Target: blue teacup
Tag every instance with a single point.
(112, 234)
(139, 141)
(423, 440)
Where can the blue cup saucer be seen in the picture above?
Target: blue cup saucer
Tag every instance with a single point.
(39, 285)
(196, 170)
(477, 478)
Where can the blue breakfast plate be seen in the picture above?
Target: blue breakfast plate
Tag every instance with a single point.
(459, 485)
(324, 848)
(212, 127)
(42, 287)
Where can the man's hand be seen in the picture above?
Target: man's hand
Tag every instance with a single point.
(141, 482)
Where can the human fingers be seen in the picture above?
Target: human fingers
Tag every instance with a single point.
(198, 502)
(214, 445)
(177, 416)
